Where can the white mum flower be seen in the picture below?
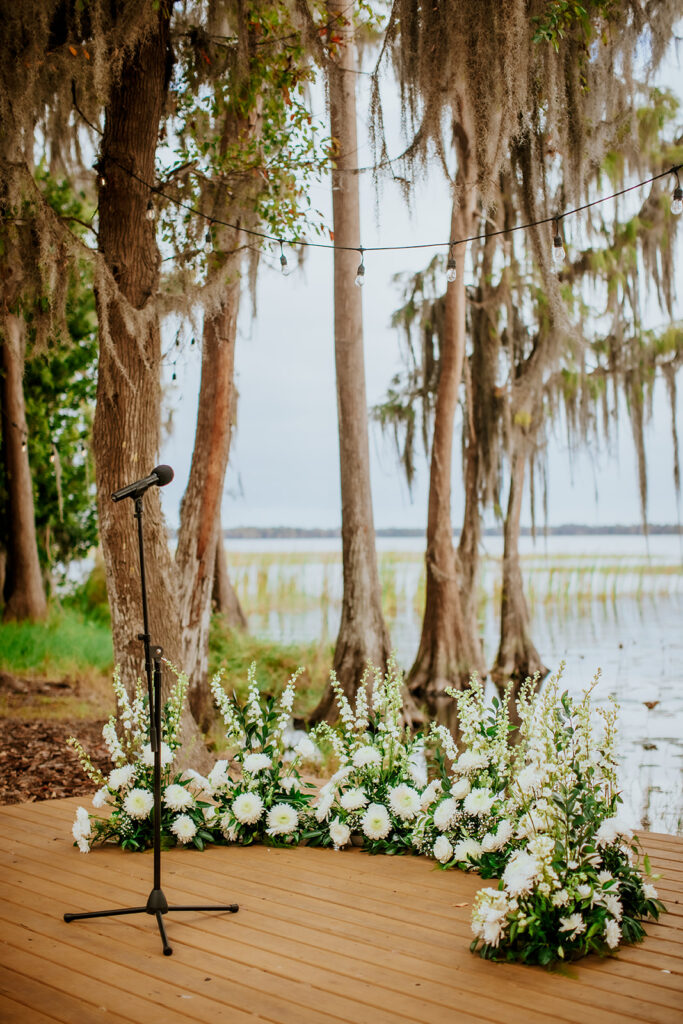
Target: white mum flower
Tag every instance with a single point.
(341, 773)
(488, 919)
(340, 833)
(289, 783)
(177, 798)
(228, 828)
(612, 934)
(83, 844)
(218, 776)
(443, 815)
(198, 783)
(529, 778)
(184, 828)
(306, 749)
(367, 755)
(521, 872)
(167, 755)
(443, 851)
(119, 778)
(649, 891)
(613, 904)
(81, 826)
(574, 924)
(470, 761)
(324, 805)
(479, 801)
(504, 832)
(138, 803)
(100, 797)
(560, 898)
(404, 801)
(256, 762)
(209, 813)
(467, 849)
(460, 789)
(282, 819)
(247, 808)
(376, 822)
(610, 830)
(353, 799)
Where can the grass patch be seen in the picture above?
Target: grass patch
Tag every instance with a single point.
(67, 644)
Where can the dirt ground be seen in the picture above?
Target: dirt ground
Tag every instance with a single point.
(35, 761)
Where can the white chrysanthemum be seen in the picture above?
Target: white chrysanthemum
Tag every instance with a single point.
(612, 934)
(289, 783)
(460, 788)
(442, 850)
(81, 826)
(613, 904)
(83, 844)
(604, 877)
(306, 749)
(247, 808)
(119, 778)
(341, 773)
(430, 794)
(404, 801)
(521, 872)
(256, 762)
(488, 918)
(353, 799)
(167, 755)
(467, 849)
(177, 798)
(376, 822)
(574, 924)
(209, 813)
(218, 776)
(529, 778)
(610, 830)
(504, 832)
(282, 819)
(197, 783)
(417, 767)
(228, 828)
(324, 805)
(443, 815)
(138, 803)
(365, 756)
(470, 761)
(184, 828)
(649, 891)
(100, 797)
(479, 801)
(560, 898)
(340, 833)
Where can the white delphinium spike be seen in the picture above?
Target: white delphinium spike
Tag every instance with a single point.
(253, 713)
(112, 742)
(345, 712)
(361, 721)
(93, 773)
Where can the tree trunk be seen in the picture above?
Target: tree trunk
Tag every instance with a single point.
(449, 652)
(200, 511)
(517, 656)
(127, 417)
(467, 555)
(224, 597)
(23, 591)
(363, 634)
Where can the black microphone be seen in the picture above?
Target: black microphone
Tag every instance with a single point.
(160, 475)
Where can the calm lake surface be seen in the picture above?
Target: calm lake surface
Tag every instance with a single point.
(610, 603)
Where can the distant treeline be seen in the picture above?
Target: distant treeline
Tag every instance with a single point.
(566, 530)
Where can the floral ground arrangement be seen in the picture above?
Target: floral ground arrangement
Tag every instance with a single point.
(533, 805)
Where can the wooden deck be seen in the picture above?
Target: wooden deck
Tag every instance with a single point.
(320, 937)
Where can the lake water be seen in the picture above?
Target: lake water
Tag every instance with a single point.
(611, 602)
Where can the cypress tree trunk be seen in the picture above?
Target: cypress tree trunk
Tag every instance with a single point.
(517, 656)
(127, 417)
(200, 511)
(362, 634)
(449, 650)
(23, 590)
(224, 596)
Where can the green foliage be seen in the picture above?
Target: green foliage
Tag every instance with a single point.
(66, 644)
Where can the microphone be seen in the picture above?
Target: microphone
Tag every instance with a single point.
(160, 475)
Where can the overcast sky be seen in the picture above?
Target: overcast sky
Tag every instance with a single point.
(284, 462)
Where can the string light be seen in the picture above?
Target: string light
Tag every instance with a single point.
(283, 258)
(360, 273)
(451, 266)
(151, 211)
(101, 180)
(52, 456)
(24, 445)
(208, 240)
(558, 254)
(677, 197)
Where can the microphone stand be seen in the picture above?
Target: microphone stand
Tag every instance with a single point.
(157, 903)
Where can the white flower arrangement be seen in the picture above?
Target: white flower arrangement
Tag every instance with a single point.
(127, 792)
(376, 793)
(464, 816)
(266, 800)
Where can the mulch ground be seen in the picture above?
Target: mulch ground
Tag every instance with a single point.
(35, 762)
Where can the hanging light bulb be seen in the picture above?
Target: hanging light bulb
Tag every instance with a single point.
(208, 241)
(360, 273)
(24, 446)
(101, 180)
(283, 258)
(52, 457)
(451, 266)
(558, 253)
(151, 211)
(677, 198)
